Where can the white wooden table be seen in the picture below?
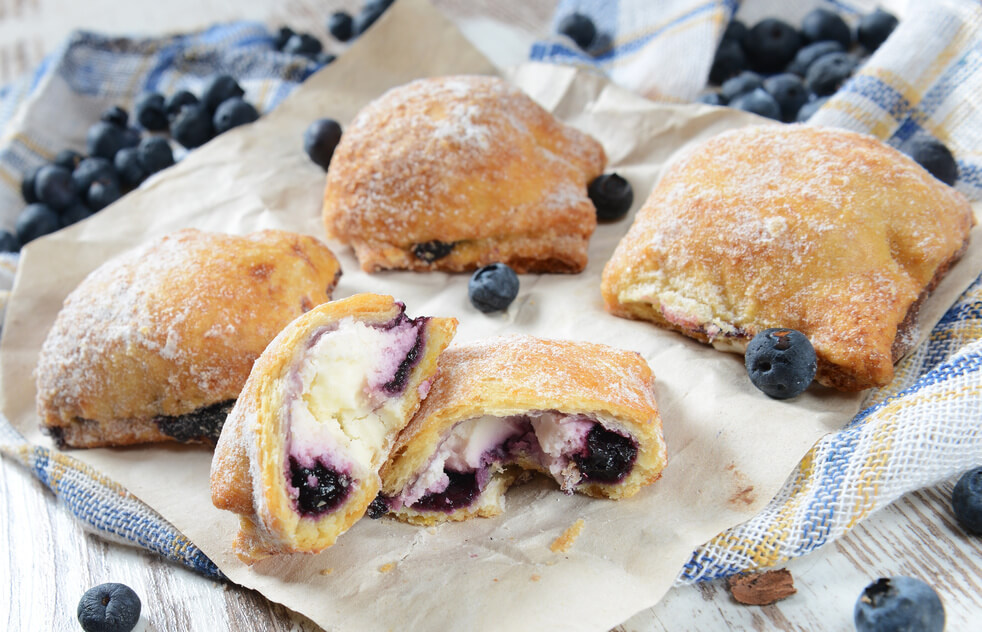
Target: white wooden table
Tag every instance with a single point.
(48, 561)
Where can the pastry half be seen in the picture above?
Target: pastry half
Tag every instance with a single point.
(453, 173)
(299, 456)
(155, 344)
(825, 231)
(581, 413)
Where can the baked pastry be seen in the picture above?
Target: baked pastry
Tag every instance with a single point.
(825, 231)
(299, 456)
(453, 173)
(155, 344)
(582, 413)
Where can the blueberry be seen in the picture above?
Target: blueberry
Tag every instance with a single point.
(109, 608)
(736, 31)
(430, 251)
(966, 501)
(462, 489)
(149, 111)
(874, 28)
(35, 221)
(283, 35)
(759, 102)
(821, 24)
(341, 25)
(743, 83)
(74, 213)
(712, 98)
(154, 154)
(771, 44)
(102, 193)
(193, 127)
(378, 507)
(27, 186)
(232, 113)
(320, 140)
(329, 488)
(608, 457)
(578, 28)
(789, 92)
(175, 102)
(303, 44)
(808, 55)
(91, 170)
(53, 186)
(68, 158)
(371, 12)
(8, 242)
(728, 62)
(217, 89)
(829, 72)
(324, 58)
(808, 109)
(781, 362)
(611, 195)
(127, 164)
(932, 154)
(131, 137)
(104, 140)
(115, 115)
(894, 604)
(493, 287)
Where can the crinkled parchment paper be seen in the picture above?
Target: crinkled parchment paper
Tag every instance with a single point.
(730, 448)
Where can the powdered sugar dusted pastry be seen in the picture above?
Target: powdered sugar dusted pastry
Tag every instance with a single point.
(453, 173)
(829, 232)
(582, 413)
(300, 453)
(155, 344)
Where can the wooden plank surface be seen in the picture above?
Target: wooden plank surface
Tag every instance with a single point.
(49, 561)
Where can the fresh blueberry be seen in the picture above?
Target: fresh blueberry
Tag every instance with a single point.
(303, 44)
(789, 92)
(781, 362)
(149, 111)
(232, 113)
(966, 501)
(743, 83)
(109, 608)
(808, 55)
(578, 28)
(35, 221)
(27, 186)
(320, 140)
(341, 25)
(609, 456)
(874, 28)
(821, 24)
(371, 12)
(115, 115)
(131, 137)
(759, 102)
(220, 88)
(712, 98)
(193, 127)
(895, 604)
(154, 154)
(932, 154)
(74, 213)
(90, 170)
(728, 62)
(175, 102)
(829, 72)
(808, 109)
(53, 186)
(8, 242)
(736, 31)
(771, 44)
(611, 195)
(283, 35)
(430, 251)
(493, 287)
(101, 194)
(324, 58)
(104, 140)
(127, 164)
(68, 158)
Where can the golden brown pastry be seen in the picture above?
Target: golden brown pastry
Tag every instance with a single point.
(155, 344)
(299, 456)
(453, 173)
(829, 232)
(582, 413)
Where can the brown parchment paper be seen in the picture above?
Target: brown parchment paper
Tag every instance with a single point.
(730, 447)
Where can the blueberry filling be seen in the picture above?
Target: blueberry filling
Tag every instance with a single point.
(608, 457)
(320, 489)
(398, 381)
(378, 507)
(204, 424)
(461, 492)
(430, 251)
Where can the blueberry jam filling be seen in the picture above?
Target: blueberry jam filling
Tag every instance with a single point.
(461, 492)
(378, 508)
(398, 382)
(609, 456)
(204, 424)
(320, 489)
(430, 251)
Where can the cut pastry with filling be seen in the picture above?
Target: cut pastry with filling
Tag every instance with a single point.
(301, 450)
(825, 231)
(155, 344)
(454, 173)
(581, 413)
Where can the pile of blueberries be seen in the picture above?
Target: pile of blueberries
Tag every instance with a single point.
(775, 70)
(341, 24)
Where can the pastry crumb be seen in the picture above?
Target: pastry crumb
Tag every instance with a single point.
(326, 571)
(565, 541)
(535, 577)
(761, 589)
(386, 568)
